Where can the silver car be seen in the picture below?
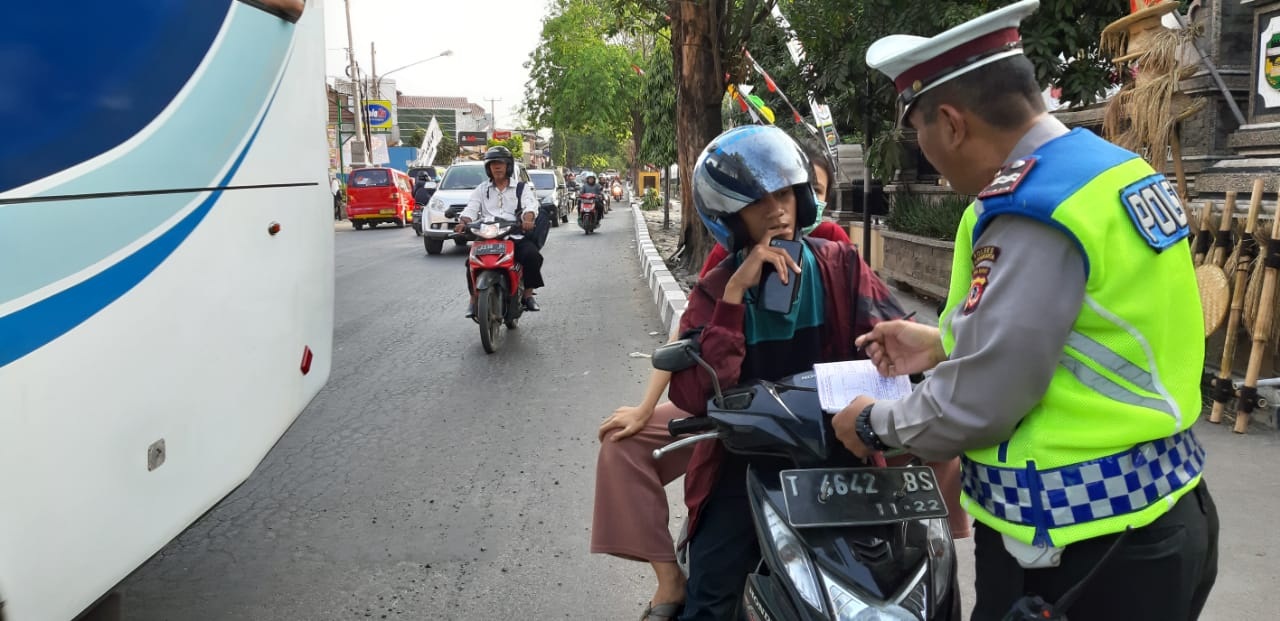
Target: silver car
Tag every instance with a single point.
(451, 198)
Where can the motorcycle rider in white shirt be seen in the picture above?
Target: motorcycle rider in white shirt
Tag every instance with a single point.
(499, 198)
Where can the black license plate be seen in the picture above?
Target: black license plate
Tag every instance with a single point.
(857, 496)
(490, 248)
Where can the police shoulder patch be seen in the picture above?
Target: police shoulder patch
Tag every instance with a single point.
(985, 254)
(1156, 211)
(1008, 178)
(976, 289)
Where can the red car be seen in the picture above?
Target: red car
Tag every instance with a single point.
(378, 195)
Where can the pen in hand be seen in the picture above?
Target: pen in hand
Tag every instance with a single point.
(907, 317)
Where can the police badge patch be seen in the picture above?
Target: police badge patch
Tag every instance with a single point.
(976, 289)
(1008, 178)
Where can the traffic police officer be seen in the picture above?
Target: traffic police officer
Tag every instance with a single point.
(1068, 359)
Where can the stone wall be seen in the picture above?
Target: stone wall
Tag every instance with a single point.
(920, 263)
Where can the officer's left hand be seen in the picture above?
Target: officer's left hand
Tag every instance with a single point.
(527, 225)
(846, 426)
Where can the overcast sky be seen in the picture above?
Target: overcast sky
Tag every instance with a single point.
(490, 39)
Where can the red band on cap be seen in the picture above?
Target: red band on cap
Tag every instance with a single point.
(973, 49)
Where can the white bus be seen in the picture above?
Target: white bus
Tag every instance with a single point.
(166, 274)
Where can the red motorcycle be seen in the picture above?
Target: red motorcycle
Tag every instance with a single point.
(588, 214)
(497, 278)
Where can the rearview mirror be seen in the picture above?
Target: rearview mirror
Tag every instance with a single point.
(675, 356)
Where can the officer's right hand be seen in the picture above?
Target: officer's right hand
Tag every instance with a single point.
(902, 347)
(460, 228)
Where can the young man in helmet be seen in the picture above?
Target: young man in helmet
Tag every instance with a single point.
(500, 198)
(752, 185)
(1064, 372)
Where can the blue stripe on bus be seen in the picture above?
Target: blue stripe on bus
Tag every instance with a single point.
(35, 326)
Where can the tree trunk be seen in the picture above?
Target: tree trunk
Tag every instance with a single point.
(699, 91)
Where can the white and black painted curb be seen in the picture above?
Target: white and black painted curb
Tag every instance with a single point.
(667, 293)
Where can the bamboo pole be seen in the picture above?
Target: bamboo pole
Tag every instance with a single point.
(1261, 333)
(1241, 267)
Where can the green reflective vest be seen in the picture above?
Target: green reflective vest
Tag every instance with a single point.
(1109, 444)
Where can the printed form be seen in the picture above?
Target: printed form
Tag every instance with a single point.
(842, 382)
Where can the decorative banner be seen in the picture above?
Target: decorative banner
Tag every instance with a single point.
(380, 117)
(797, 57)
(430, 143)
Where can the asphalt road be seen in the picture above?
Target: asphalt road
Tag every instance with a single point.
(429, 480)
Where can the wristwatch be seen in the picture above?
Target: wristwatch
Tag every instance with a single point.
(868, 435)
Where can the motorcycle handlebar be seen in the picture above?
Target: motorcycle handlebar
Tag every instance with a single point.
(693, 424)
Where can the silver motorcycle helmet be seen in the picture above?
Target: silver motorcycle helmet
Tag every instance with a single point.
(742, 166)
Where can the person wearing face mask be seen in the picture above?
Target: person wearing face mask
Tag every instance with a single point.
(1065, 369)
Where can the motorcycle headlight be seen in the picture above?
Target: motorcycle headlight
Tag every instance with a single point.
(488, 231)
(942, 555)
(792, 555)
(849, 607)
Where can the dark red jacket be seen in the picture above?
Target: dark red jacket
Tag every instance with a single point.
(856, 300)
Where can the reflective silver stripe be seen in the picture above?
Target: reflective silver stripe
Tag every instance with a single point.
(1104, 386)
(1111, 361)
(1151, 357)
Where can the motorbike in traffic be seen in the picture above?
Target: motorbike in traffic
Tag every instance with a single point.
(588, 212)
(617, 192)
(496, 277)
(839, 540)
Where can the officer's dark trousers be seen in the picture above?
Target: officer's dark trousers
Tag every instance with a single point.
(527, 255)
(1161, 572)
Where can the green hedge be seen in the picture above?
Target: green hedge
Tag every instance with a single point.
(936, 217)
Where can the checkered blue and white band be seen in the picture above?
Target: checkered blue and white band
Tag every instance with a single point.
(1114, 485)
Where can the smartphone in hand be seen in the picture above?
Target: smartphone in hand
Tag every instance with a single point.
(775, 296)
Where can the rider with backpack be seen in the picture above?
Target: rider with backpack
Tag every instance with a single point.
(500, 198)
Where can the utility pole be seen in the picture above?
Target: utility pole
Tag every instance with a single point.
(493, 116)
(376, 94)
(359, 150)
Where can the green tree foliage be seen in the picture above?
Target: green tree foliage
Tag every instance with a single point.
(580, 80)
(658, 108)
(515, 143)
(415, 138)
(573, 149)
(837, 33)
(446, 151)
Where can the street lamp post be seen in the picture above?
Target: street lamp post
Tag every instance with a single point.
(377, 79)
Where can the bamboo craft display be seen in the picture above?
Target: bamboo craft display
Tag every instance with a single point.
(1246, 247)
(1204, 237)
(1212, 281)
(1248, 399)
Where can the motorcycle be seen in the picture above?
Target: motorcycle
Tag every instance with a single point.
(616, 191)
(497, 278)
(588, 216)
(839, 541)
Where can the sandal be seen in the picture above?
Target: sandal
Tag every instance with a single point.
(662, 612)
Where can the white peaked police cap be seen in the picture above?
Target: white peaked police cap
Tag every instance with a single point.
(917, 64)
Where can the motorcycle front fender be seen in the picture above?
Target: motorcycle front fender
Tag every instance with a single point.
(490, 278)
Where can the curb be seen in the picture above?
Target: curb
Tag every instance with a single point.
(667, 293)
